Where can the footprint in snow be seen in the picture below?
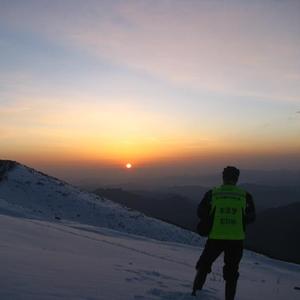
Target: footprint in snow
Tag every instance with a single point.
(176, 295)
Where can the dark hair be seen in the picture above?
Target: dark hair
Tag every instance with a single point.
(231, 173)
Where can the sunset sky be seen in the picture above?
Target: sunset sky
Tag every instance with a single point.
(153, 83)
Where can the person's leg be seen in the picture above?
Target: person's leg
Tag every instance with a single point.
(212, 249)
(232, 256)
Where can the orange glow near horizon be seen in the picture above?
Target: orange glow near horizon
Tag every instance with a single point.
(165, 96)
(115, 132)
(159, 152)
(109, 135)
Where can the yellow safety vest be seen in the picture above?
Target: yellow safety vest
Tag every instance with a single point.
(228, 206)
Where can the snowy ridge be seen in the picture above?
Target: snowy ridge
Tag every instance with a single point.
(42, 260)
(29, 193)
(61, 243)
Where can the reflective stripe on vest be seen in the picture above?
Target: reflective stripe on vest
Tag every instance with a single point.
(228, 205)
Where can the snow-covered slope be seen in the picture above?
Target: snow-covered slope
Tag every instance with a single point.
(27, 192)
(43, 260)
(58, 242)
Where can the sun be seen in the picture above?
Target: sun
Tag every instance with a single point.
(128, 165)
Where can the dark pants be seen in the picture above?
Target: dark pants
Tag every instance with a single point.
(233, 252)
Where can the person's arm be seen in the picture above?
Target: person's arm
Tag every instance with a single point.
(204, 206)
(250, 209)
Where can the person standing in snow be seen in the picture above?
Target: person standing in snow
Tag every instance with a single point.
(224, 212)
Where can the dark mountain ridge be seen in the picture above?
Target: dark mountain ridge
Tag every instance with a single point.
(274, 233)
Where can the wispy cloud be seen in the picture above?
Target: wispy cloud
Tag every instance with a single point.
(238, 49)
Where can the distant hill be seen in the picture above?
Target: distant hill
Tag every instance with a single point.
(276, 233)
(170, 207)
(265, 196)
(173, 205)
(143, 179)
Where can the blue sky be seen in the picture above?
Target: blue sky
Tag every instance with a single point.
(144, 81)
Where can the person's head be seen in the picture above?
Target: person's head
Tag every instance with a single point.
(230, 175)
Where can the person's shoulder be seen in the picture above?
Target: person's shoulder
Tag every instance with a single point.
(249, 198)
(207, 195)
(209, 192)
(248, 195)
(244, 191)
